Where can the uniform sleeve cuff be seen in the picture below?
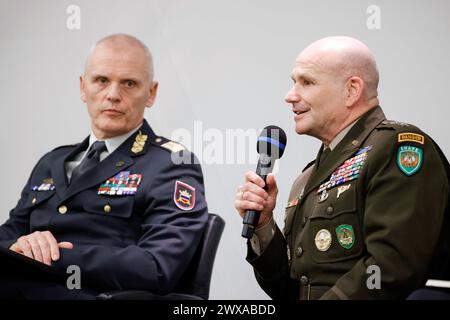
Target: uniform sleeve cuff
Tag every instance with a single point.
(262, 237)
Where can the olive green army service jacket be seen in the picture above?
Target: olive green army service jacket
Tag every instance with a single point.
(366, 224)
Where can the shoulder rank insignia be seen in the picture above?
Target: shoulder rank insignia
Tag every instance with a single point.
(393, 122)
(345, 235)
(139, 143)
(172, 146)
(184, 196)
(409, 159)
(411, 137)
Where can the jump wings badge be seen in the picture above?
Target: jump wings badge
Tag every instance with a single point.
(409, 159)
(184, 196)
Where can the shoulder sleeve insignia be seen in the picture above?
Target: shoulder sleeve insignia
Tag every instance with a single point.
(184, 196)
(411, 137)
(409, 159)
(172, 146)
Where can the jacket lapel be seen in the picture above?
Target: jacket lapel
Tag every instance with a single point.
(58, 169)
(119, 160)
(346, 148)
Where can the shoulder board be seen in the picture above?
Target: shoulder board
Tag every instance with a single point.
(405, 132)
(167, 144)
(391, 124)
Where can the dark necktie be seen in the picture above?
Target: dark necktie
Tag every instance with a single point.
(325, 153)
(90, 161)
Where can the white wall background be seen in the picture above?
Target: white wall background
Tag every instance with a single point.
(225, 63)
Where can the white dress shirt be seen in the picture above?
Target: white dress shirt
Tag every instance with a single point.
(111, 145)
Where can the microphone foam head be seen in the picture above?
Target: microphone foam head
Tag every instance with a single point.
(272, 142)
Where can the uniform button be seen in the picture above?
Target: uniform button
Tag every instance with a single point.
(158, 140)
(33, 201)
(107, 208)
(304, 280)
(299, 251)
(330, 210)
(62, 209)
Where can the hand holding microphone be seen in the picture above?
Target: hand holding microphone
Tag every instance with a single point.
(256, 199)
(257, 195)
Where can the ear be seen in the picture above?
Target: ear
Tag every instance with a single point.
(354, 88)
(82, 89)
(152, 94)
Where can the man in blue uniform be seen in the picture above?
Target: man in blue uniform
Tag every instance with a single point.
(125, 205)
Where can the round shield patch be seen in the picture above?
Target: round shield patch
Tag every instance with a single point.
(323, 240)
(409, 159)
(345, 235)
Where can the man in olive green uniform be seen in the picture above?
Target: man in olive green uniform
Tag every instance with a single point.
(364, 219)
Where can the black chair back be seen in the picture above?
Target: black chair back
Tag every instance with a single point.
(197, 277)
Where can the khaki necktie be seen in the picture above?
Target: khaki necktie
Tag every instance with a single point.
(325, 153)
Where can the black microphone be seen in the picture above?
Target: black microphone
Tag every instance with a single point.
(270, 146)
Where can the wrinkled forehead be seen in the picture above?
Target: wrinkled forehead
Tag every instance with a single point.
(312, 64)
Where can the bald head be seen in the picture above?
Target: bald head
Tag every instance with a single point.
(121, 42)
(335, 83)
(117, 85)
(344, 57)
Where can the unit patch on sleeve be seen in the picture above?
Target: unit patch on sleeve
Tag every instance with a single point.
(409, 159)
(184, 196)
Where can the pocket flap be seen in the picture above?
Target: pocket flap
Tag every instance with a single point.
(37, 197)
(111, 206)
(334, 205)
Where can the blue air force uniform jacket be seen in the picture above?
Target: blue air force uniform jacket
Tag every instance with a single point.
(135, 238)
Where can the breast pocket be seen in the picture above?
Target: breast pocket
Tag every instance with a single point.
(37, 198)
(334, 228)
(120, 207)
